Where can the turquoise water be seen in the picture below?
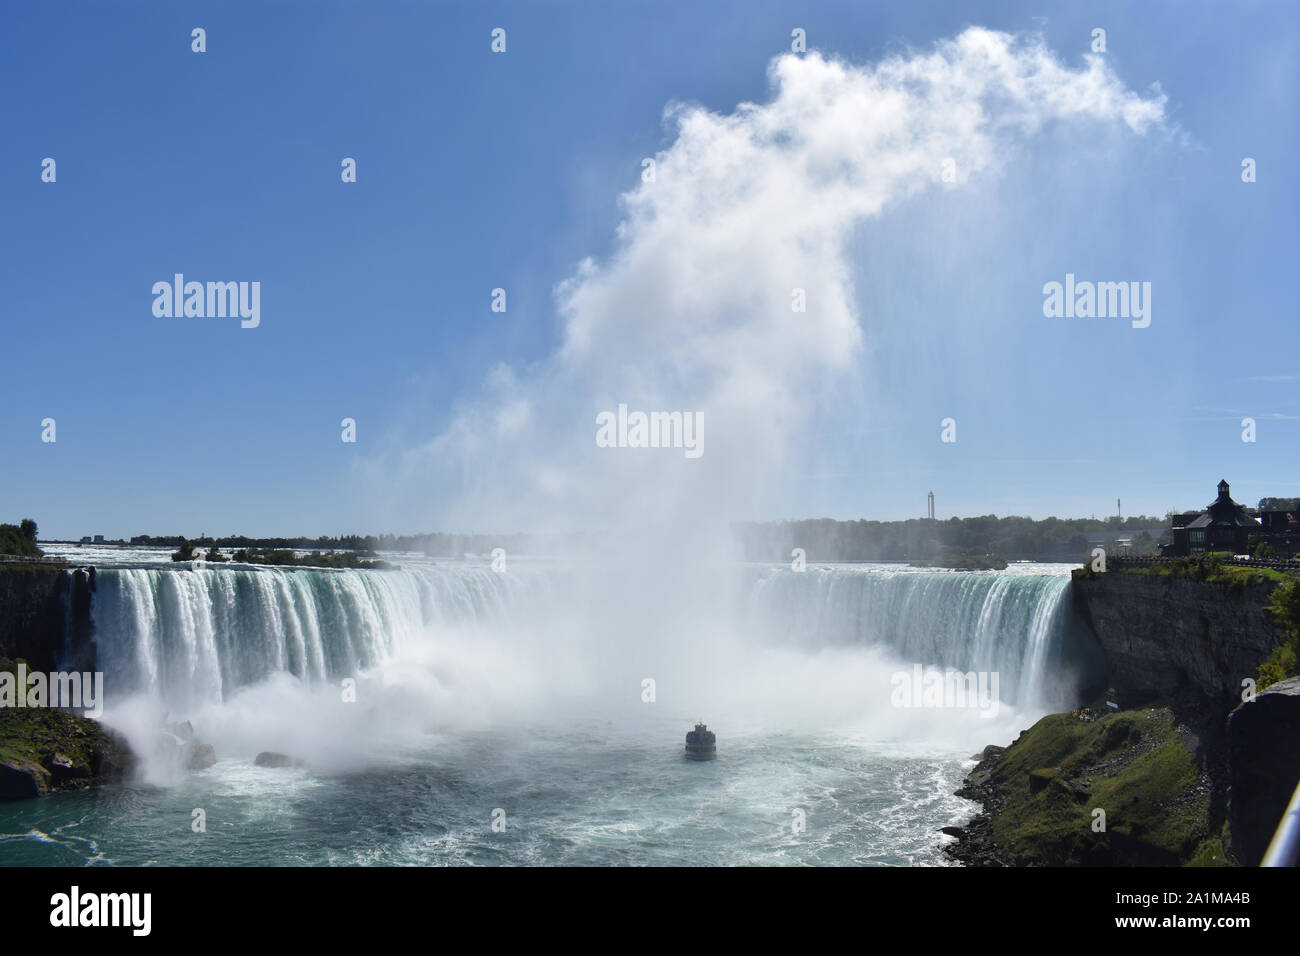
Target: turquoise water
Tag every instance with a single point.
(579, 799)
(538, 703)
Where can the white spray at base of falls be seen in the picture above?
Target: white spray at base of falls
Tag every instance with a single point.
(198, 636)
(1015, 624)
(256, 657)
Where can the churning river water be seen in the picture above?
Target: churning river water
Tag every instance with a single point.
(445, 713)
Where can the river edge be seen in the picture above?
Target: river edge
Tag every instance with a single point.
(45, 750)
(1135, 787)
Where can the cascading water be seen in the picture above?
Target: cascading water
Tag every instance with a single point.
(527, 691)
(195, 637)
(1017, 624)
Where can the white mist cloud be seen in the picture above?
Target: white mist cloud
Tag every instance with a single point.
(692, 311)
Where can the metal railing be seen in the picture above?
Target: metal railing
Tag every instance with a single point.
(1145, 561)
(1285, 848)
(25, 559)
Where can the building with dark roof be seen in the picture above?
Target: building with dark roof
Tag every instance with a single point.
(1224, 525)
(1281, 532)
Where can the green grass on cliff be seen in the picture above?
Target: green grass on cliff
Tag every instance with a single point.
(1207, 568)
(1284, 662)
(32, 568)
(30, 735)
(1134, 765)
(33, 734)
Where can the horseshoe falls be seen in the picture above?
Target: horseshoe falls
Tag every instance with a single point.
(198, 637)
(415, 702)
(1017, 624)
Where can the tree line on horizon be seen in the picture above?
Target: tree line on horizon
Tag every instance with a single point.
(432, 544)
(824, 539)
(927, 539)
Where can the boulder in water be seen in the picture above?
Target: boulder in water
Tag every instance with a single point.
(185, 749)
(269, 758)
(202, 756)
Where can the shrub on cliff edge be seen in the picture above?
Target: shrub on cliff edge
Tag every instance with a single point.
(20, 539)
(1283, 662)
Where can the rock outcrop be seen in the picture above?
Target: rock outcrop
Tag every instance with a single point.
(1263, 766)
(45, 616)
(1124, 789)
(44, 751)
(201, 757)
(1187, 642)
(181, 748)
(1178, 779)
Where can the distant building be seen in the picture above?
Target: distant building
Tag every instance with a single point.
(85, 539)
(1281, 532)
(99, 539)
(1224, 525)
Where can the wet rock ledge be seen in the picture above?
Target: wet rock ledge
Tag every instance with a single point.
(1096, 788)
(45, 751)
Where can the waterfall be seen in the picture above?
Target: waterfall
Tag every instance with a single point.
(195, 636)
(192, 637)
(1018, 624)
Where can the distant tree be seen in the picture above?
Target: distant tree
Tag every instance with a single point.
(1143, 543)
(19, 539)
(186, 552)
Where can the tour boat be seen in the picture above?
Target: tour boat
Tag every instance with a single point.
(701, 744)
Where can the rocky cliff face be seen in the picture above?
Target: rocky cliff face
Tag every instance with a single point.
(1171, 768)
(1189, 642)
(45, 616)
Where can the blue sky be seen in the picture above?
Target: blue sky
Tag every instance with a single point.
(479, 170)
